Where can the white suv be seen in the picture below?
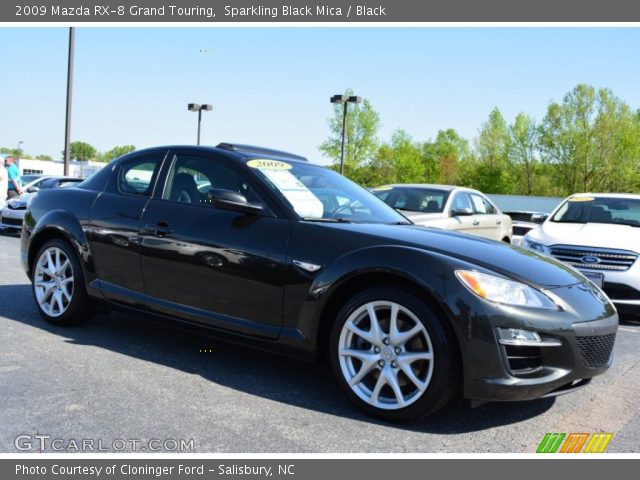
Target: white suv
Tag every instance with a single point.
(598, 234)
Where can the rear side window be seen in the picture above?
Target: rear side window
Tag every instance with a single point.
(138, 176)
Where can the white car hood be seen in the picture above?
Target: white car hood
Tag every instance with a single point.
(420, 218)
(604, 235)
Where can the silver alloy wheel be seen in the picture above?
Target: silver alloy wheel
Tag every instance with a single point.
(53, 281)
(385, 355)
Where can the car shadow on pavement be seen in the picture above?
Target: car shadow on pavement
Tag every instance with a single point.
(267, 375)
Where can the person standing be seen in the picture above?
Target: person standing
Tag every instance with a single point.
(4, 184)
(13, 176)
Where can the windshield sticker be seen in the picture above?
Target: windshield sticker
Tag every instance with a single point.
(582, 199)
(304, 202)
(383, 188)
(268, 164)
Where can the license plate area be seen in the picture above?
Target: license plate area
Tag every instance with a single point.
(595, 277)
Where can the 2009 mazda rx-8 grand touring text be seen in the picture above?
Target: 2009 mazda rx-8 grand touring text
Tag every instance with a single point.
(262, 247)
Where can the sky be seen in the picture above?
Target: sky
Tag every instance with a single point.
(271, 86)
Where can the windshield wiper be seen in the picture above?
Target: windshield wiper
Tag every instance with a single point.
(327, 220)
(401, 222)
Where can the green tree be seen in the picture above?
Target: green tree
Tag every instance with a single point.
(361, 135)
(43, 157)
(442, 157)
(81, 151)
(12, 151)
(593, 137)
(522, 147)
(116, 152)
(492, 150)
(398, 161)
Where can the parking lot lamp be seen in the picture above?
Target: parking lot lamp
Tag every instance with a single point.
(196, 107)
(344, 100)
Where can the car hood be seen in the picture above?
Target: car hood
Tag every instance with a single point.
(514, 262)
(420, 218)
(19, 202)
(604, 235)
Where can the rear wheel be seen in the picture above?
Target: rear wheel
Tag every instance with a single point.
(392, 356)
(58, 285)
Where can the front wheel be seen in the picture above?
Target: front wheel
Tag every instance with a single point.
(392, 355)
(58, 285)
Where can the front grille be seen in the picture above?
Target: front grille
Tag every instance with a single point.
(12, 221)
(608, 260)
(596, 350)
(520, 230)
(617, 291)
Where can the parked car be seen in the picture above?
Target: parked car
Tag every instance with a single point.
(31, 177)
(284, 255)
(12, 214)
(523, 222)
(445, 206)
(598, 234)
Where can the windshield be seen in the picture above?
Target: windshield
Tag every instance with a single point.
(413, 199)
(320, 194)
(585, 209)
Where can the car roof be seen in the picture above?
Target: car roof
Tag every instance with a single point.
(236, 152)
(431, 186)
(606, 195)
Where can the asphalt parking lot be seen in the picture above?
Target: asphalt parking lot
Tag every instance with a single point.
(125, 378)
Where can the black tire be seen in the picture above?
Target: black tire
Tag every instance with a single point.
(445, 369)
(80, 308)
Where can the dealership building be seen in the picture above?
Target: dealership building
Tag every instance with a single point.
(29, 166)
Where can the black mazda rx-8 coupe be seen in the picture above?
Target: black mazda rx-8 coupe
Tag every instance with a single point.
(261, 247)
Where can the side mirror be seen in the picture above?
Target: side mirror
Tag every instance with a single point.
(460, 212)
(539, 217)
(33, 189)
(234, 201)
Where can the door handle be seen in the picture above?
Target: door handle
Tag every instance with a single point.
(159, 229)
(498, 222)
(476, 223)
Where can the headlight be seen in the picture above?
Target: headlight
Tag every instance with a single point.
(501, 290)
(531, 245)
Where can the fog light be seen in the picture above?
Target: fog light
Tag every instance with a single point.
(524, 338)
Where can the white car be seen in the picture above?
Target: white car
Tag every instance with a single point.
(12, 214)
(598, 234)
(449, 207)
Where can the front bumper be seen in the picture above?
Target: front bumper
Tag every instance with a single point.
(11, 219)
(586, 351)
(583, 331)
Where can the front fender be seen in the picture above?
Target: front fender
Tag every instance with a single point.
(429, 271)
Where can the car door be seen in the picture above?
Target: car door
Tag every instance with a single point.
(488, 221)
(462, 223)
(218, 267)
(114, 225)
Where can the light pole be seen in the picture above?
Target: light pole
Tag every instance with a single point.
(19, 151)
(67, 126)
(344, 100)
(196, 107)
